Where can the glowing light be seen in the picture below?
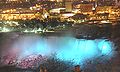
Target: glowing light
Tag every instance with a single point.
(81, 50)
(66, 48)
(26, 31)
(105, 47)
(5, 29)
(68, 14)
(106, 21)
(45, 15)
(39, 29)
(57, 10)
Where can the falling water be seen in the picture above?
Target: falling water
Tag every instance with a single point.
(65, 48)
(79, 50)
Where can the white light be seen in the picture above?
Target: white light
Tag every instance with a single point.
(93, 8)
(39, 29)
(68, 14)
(105, 22)
(45, 15)
(5, 29)
(26, 31)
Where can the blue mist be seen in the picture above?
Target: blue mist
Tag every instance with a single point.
(80, 50)
(66, 48)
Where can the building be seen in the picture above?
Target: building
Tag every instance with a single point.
(57, 0)
(68, 6)
(13, 14)
(17, 0)
(14, 4)
(6, 1)
(106, 2)
(117, 2)
(105, 9)
(84, 8)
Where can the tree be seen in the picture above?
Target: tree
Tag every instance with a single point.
(55, 65)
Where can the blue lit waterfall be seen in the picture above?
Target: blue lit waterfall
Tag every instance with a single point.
(66, 48)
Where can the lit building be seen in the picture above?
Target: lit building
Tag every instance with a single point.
(57, 0)
(5, 1)
(84, 8)
(14, 4)
(113, 11)
(17, 0)
(105, 9)
(68, 6)
(13, 14)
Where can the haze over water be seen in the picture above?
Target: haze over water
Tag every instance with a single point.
(66, 48)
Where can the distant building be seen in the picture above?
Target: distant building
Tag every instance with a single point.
(68, 6)
(105, 2)
(105, 9)
(84, 8)
(57, 0)
(16, 0)
(14, 4)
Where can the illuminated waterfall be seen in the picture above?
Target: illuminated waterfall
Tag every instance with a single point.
(66, 48)
(79, 50)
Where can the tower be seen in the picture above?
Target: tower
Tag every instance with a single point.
(68, 5)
